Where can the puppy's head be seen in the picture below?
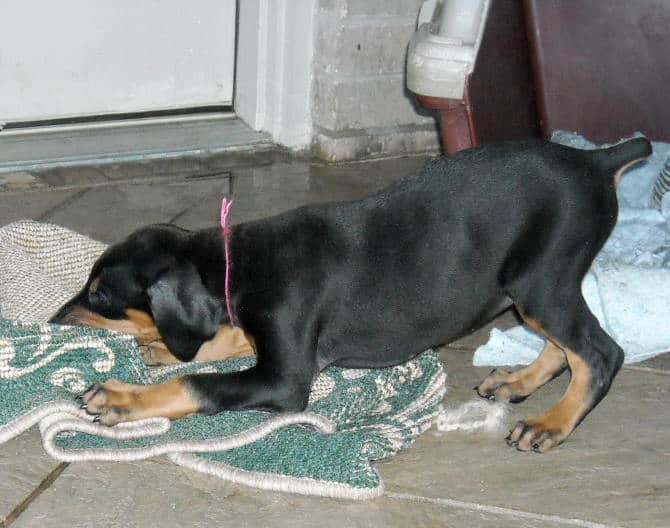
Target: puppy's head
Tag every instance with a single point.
(148, 286)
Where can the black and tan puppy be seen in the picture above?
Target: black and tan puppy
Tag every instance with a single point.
(374, 282)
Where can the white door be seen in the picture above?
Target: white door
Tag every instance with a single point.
(70, 58)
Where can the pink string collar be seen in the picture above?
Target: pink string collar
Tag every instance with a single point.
(226, 205)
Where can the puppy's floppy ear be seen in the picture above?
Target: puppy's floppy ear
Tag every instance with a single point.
(185, 313)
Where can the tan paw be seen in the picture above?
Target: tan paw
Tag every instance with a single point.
(500, 385)
(156, 353)
(536, 435)
(112, 402)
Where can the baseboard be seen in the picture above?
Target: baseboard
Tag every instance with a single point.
(350, 145)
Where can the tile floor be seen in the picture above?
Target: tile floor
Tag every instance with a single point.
(613, 471)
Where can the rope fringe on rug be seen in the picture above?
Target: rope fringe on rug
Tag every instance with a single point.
(473, 415)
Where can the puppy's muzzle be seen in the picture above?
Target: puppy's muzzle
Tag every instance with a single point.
(72, 314)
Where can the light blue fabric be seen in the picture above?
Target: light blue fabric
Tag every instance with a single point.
(628, 286)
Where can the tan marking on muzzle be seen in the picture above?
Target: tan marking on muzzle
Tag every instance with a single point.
(228, 342)
(139, 324)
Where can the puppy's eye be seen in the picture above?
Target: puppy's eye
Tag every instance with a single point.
(94, 285)
(98, 296)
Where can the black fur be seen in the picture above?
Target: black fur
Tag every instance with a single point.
(374, 282)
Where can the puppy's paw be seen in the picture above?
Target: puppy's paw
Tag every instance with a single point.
(156, 354)
(114, 401)
(500, 385)
(111, 402)
(536, 435)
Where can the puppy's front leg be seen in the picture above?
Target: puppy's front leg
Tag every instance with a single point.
(280, 381)
(114, 401)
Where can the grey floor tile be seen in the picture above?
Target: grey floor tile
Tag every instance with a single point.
(34, 204)
(189, 166)
(111, 213)
(267, 190)
(18, 180)
(152, 494)
(614, 469)
(67, 176)
(23, 465)
(661, 362)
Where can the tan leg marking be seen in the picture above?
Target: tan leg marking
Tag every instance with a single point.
(228, 342)
(549, 429)
(532, 323)
(546, 431)
(516, 386)
(156, 353)
(115, 401)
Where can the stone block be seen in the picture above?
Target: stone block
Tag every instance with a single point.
(365, 102)
(370, 46)
(354, 145)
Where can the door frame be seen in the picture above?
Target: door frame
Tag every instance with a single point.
(273, 77)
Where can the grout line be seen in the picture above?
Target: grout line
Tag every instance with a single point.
(61, 205)
(497, 510)
(42, 486)
(179, 215)
(646, 369)
(223, 175)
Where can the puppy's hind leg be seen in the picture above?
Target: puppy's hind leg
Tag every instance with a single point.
(592, 357)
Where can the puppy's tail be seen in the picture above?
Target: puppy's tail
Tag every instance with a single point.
(613, 161)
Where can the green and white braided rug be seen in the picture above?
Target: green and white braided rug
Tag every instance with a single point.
(355, 416)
